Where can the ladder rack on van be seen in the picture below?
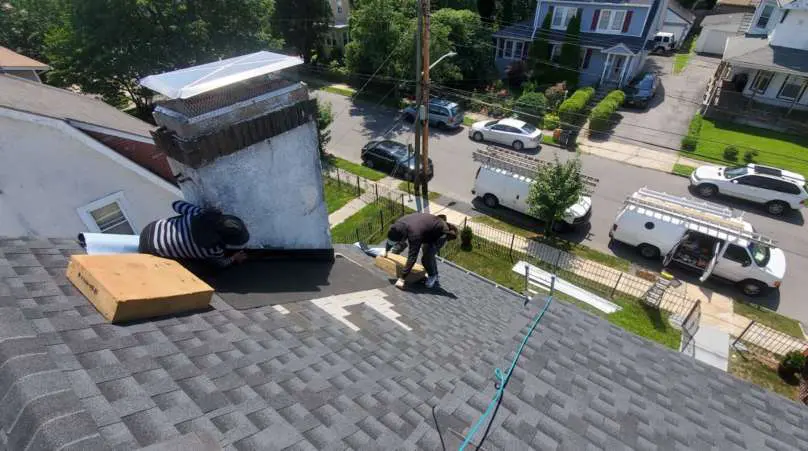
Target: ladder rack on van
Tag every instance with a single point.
(521, 164)
(702, 216)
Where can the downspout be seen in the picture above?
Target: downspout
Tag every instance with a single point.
(535, 21)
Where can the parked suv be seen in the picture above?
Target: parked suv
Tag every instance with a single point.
(392, 157)
(442, 114)
(779, 190)
(664, 42)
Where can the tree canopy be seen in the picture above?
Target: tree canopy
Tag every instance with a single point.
(570, 58)
(105, 46)
(556, 187)
(25, 23)
(303, 24)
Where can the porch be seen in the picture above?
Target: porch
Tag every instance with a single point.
(758, 97)
(619, 65)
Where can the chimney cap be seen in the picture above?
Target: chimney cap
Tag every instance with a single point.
(195, 80)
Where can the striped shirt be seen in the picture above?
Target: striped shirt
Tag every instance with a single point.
(172, 237)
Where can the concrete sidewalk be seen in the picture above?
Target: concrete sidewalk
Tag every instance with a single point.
(634, 155)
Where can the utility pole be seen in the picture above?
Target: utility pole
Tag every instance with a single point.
(417, 160)
(424, 14)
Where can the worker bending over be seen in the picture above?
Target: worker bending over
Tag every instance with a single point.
(197, 233)
(420, 230)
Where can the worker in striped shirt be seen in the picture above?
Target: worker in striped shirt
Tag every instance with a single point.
(196, 234)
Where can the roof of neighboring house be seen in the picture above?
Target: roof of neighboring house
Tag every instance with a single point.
(12, 60)
(749, 3)
(757, 53)
(681, 11)
(524, 31)
(58, 103)
(366, 370)
(734, 19)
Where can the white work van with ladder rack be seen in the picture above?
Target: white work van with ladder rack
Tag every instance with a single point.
(701, 236)
(504, 178)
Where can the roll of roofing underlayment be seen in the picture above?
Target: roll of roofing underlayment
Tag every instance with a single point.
(104, 243)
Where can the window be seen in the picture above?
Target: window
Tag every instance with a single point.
(107, 215)
(555, 52)
(753, 180)
(611, 21)
(737, 254)
(517, 50)
(792, 88)
(587, 57)
(765, 15)
(562, 16)
(508, 49)
(782, 186)
(761, 81)
(339, 6)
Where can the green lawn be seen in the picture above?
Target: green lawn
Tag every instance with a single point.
(338, 194)
(684, 54)
(339, 90)
(408, 187)
(468, 121)
(746, 367)
(775, 148)
(370, 223)
(769, 318)
(634, 317)
(682, 169)
(548, 139)
(574, 248)
(358, 169)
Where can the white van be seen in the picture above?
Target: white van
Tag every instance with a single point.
(702, 236)
(500, 187)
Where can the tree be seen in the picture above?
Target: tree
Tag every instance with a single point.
(556, 187)
(570, 58)
(505, 13)
(24, 24)
(105, 46)
(471, 41)
(377, 27)
(538, 59)
(325, 116)
(303, 24)
(486, 8)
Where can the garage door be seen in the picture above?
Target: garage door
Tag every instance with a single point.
(712, 41)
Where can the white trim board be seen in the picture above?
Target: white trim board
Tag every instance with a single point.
(92, 144)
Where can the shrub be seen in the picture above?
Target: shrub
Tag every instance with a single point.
(528, 86)
(690, 141)
(466, 236)
(531, 106)
(516, 73)
(601, 115)
(731, 153)
(570, 110)
(749, 156)
(792, 365)
(555, 95)
(551, 122)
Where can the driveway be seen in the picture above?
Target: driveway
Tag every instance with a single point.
(663, 124)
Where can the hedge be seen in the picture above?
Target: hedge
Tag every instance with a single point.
(570, 110)
(690, 141)
(601, 115)
(531, 107)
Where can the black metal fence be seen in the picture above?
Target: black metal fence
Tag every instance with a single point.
(763, 340)
(597, 278)
(373, 221)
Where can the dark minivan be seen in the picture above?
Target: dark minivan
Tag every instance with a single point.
(642, 89)
(392, 157)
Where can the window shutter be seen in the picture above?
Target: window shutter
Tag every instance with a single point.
(499, 47)
(785, 14)
(595, 18)
(627, 21)
(587, 57)
(550, 11)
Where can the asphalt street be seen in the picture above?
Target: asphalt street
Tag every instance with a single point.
(451, 152)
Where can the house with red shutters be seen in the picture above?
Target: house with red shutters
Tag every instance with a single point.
(616, 37)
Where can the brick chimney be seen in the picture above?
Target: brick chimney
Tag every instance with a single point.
(243, 139)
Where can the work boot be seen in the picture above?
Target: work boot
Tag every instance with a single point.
(431, 281)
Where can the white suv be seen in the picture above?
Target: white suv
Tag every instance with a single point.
(779, 190)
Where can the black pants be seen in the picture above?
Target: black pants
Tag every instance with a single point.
(428, 253)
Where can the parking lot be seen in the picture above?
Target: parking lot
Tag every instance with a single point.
(662, 125)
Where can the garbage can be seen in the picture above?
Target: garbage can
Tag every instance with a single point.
(572, 137)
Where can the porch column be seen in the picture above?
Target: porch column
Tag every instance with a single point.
(605, 65)
(623, 72)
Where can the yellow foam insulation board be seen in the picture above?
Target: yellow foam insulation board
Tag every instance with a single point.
(393, 264)
(125, 287)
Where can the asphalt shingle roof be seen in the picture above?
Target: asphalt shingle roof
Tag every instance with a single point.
(49, 101)
(757, 53)
(299, 378)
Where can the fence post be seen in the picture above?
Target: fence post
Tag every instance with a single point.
(356, 230)
(614, 288)
(527, 278)
(376, 189)
(358, 190)
(339, 182)
(465, 221)
(402, 204)
(558, 258)
(742, 333)
(510, 253)
(381, 219)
